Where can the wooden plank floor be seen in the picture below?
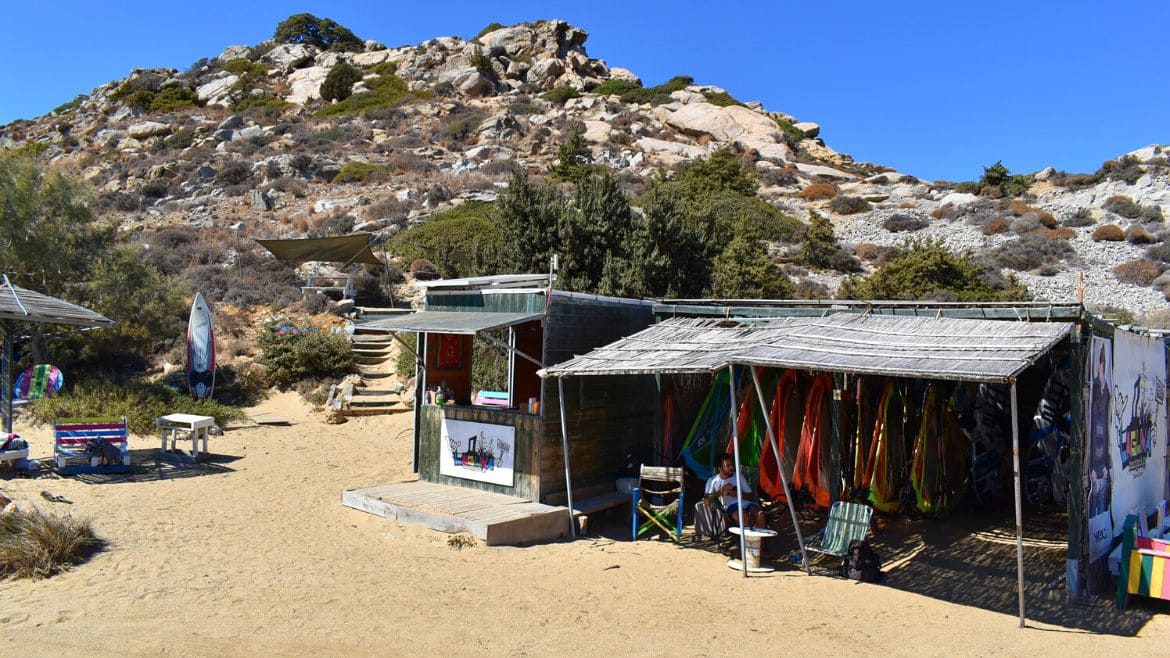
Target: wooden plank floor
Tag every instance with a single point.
(492, 517)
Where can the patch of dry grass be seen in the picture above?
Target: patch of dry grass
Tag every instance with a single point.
(34, 544)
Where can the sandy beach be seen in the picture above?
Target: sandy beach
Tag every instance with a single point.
(254, 554)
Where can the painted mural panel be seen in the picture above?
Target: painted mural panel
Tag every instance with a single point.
(1100, 468)
(1137, 432)
(478, 451)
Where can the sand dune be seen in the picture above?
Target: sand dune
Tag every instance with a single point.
(254, 554)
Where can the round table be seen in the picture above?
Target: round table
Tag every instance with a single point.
(753, 540)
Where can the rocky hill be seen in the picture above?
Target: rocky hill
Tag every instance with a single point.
(245, 138)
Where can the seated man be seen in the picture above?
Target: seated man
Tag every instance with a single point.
(723, 485)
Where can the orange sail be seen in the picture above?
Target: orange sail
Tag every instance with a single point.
(810, 474)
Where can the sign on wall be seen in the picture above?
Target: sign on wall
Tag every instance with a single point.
(1137, 433)
(478, 451)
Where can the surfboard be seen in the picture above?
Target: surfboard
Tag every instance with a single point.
(39, 381)
(200, 349)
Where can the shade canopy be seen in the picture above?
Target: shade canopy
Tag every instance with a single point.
(341, 249)
(450, 322)
(933, 348)
(16, 303)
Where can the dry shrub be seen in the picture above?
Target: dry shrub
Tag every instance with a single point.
(1137, 234)
(1122, 205)
(423, 269)
(1019, 208)
(1137, 272)
(1108, 233)
(947, 212)
(899, 223)
(810, 289)
(818, 192)
(1158, 318)
(849, 205)
(867, 251)
(997, 226)
(34, 544)
(1056, 233)
(405, 162)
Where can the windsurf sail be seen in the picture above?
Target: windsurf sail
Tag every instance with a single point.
(787, 413)
(887, 456)
(811, 476)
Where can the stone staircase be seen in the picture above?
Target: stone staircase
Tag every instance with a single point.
(374, 353)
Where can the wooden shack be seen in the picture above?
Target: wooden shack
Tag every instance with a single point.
(509, 442)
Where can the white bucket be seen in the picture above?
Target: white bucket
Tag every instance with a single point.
(752, 550)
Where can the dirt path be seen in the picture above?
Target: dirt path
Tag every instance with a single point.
(255, 555)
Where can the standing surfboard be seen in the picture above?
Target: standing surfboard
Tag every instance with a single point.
(200, 349)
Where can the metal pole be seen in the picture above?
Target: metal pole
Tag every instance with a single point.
(1019, 506)
(780, 469)
(735, 452)
(565, 448)
(6, 374)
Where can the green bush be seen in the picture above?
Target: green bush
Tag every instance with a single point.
(489, 28)
(292, 357)
(461, 241)
(481, 62)
(266, 103)
(338, 84)
(928, 270)
(820, 249)
(658, 95)
(720, 98)
(139, 401)
(34, 544)
(789, 129)
(321, 32)
(560, 94)
(72, 105)
(242, 67)
(743, 271)
(358, 172)
(405, 361)
(386, 90)
(616, 87)
(180, 140)
(489, 367)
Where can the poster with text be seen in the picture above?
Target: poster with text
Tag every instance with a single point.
(477, 451)
(1137, 433)
(1100, 468)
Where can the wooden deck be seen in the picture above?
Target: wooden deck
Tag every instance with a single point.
(495, 519)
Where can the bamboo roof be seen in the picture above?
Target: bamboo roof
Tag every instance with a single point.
(16, 303)
(934, 348)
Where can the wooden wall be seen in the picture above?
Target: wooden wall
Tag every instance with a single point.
(526, 465)
(458, 380)
(608, 417)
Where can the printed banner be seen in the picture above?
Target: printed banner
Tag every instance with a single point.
(1100, 469)
(478, 451)
(1137, 432)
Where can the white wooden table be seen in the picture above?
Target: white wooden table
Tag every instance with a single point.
(176, 426)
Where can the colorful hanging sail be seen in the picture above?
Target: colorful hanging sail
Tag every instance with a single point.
(887, 457)
(786, 415)
(938, 471)
(703, 441)
(867, 397)
(810, 475)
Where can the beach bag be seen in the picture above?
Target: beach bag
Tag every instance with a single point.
(862, 563)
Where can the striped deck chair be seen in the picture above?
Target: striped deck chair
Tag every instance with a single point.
(91, 445)
(847, 522)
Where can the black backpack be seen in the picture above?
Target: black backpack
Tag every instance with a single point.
(862, 563)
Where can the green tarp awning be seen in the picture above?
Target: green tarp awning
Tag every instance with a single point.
(450, 322)
(342, 249)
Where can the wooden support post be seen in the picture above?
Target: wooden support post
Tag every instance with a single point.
(565, 448)
(780, 469)
(6, 328)
(735, 452)
(1019, 503)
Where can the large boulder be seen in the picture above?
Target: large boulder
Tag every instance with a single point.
(498, 127)
(234, 52)
(218, 91)
(305, 84)
(810, 129)
(289, 56)
(624, 74)
(472, 82)
(653, 145)
(704, 119)
(558, 38)
(773, 151)
(146, 129)
(597, 131)
(755, 125)
(510, 41)
(545, 72)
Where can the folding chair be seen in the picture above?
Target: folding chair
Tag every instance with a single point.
(847, 522)
(651, 503)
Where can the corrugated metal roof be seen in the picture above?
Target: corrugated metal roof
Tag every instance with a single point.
(450, 322)
(937, 348)
(16, 303)
(495, 281)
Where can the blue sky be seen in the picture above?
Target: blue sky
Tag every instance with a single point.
(935, 89)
